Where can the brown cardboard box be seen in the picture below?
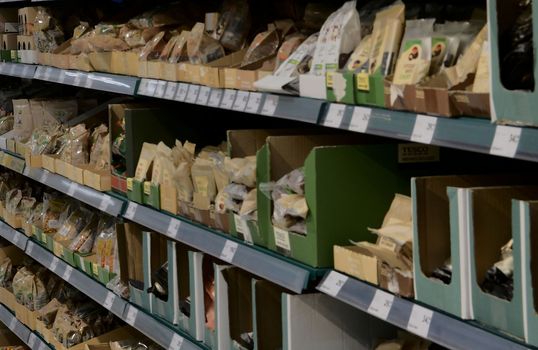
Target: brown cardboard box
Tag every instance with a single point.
(99, 180)
(357, 262)
(9, 41)
(118, 63)
(25, 42)
(182, 74)
(169, 71)
(61, 167)
(130, 239)
(75, 173)
(8, 20)
(230, 78)
(34, 160)
(400, 97)
(13, 220)
(115, 335)
(49, 161)
(27, 18)
(193, 73)
(7, 298)
(80, 62)
(101, 61)
(169, 199)
(212, 74)
(132, 63)
(154, 69)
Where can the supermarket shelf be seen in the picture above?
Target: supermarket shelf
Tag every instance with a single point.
(285, 273)
(470, 134)
(102, 201)
(150, 326)
(15, 237)
(406, 314)
(21, 331)
(119, 84)
(20, 70)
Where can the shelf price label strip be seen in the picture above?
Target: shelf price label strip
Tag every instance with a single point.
(437, 327)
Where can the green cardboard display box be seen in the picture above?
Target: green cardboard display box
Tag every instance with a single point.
(161, 251)
(337, 180)
(341, 87)
(360, 89)
(135, 190)
(151, 195)
(491, 226)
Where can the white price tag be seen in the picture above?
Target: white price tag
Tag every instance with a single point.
(151, 87)
(228, 99)
(241, 101)
(424, 129)
(30, 248)
(270, 105)
(131, 316)
(26, 71)
(420, 321)
(13, 323)
(109, 300)
(32, 340)
(173, 227)
(106, 201)
(253, 103)
(229, 250)
(506, 141)
(17, 238)
(335, 115)
(360, 119)
(61, 78)
(381, 304)
(143, 87)
(215, 97)
(182, 92)
(89, 81)
(12, 69)
(54, 264)
(48, 73)
(203, 96)
(26, 171)
(67, 273)
(171, 89)
(161, 88)
(241, 226)
(333, 283)
(72, 189)
(282, 239)
(176, 342)
(131, 210)
(192, 95)
(78, 79)
(44, 176)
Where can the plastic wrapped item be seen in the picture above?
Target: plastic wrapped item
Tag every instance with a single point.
(299, 61)
(359, 59)
(80, 30)
(339, 36)
(6, 124)
(443, 274)
(234, 24)
(386, 38)
(7, 271)
(104, 38)
(76, 150)
(288, 47)
(499, 279)
(84, 240)
(241, 170)
(162, 164)
(58, 112)
(47, 314)
(48, 34)
(201, 48)
(159, 282)
(290, 207)
(137, 37)
(117, 286)
(22, 287)
(416, 52)
(105, 246)
(74, 224)
(264, 46)
(482, 77)
(53, 207)
(153, 48)
(179, 51)
(100, 148)
(13, 198)
(250, 205)
(147, 155)
(23, 123)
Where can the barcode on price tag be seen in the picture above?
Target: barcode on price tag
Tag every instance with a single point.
(203, 96)
(176, 342)
(182, 92)
(333, 283)
(67, 273)
(253, 103)
(335, 115)
(215, 97)
(270, 105)
(241, 101)
(420, 321)
(360, 119)
(424, 129)
(131, 316)
(173, 227)
(192, 94)
(72, 189)
(381, 304)
(228, 99)
(229, 250)
(109, 300)
(171, 89)
(241, 226)
(54, 264)
(506, 141)
(131, 210)
(161, 88)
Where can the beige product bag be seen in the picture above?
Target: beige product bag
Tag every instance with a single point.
(147, 155)
(416, 53)
(481, 80)
(23, 123)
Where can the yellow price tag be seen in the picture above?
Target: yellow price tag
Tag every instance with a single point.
(363, 82)
(130, 184)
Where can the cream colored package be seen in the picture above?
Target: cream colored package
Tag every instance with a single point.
(161, 164)
(59, 112)
(203, 178)
(416, 53)
(23, 123)
(359, 59)
(340, 34)
(481, 80)
(386, 38)
(147, 155)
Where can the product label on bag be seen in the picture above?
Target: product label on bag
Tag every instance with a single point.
(241, 226)
(282, 241)
(417, 153)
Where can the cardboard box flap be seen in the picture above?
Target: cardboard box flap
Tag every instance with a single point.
(232, 60)
(392, 258)
(268, 315)
(239, 302)
(276, 84)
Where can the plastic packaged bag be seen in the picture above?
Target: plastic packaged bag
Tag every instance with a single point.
(74, 224)
(105, 244)
(359, 60)
(416, 53)
(6, 124)
(53, 207)
(76, 150)
(201, 48)
(179, 52)
(153, 48)
(264, 46)
(234, 24)
(339, 36)
(299, 61)
(100, 148)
